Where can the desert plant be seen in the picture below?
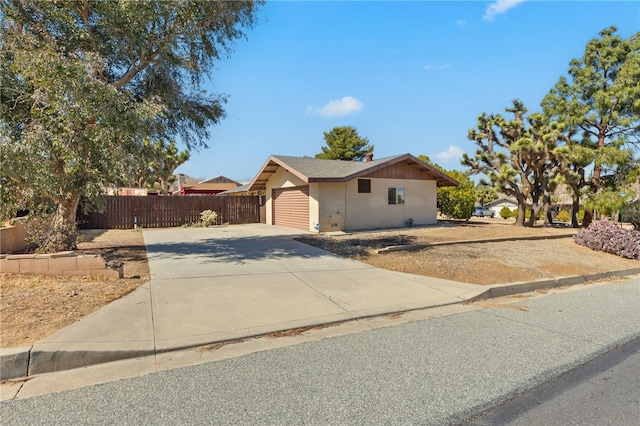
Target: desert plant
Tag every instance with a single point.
(505, 212)
(563, 216)
(608, 237)
(209, 217)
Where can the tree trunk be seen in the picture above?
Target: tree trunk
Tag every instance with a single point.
(164, 186)
(596, 182)
(548, 212)
(522, 208)
(62, 236)
(575, 208)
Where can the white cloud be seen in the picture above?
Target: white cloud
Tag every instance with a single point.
(344, 106)
(453, 153)
(461, 23)
(499, 7)
(435, 67)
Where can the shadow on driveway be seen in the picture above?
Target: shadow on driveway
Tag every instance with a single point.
(235, 250)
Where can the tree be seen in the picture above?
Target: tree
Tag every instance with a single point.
(344, 143)
(485, 193)
(457, 202)
(517, 156)
(162, 160)
(599, 105)
(85, 82)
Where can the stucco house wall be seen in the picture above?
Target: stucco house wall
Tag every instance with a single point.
(332, 207)
(341, 207)
(366, 211)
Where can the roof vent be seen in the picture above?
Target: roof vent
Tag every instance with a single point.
(368, 157)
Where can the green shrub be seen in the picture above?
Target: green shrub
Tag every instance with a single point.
(209, 217)
(505, 212)
(580, 215)
(563, 216)
(514, 213)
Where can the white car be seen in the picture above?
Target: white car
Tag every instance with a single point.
(483, 212)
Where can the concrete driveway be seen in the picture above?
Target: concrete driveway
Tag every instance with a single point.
(223, 283)
(212, 285)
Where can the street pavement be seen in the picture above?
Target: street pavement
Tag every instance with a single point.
(442, 370)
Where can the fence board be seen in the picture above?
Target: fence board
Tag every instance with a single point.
(127, 212)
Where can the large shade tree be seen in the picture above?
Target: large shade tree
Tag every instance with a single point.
(344, 143)
(83, 83)
(599, 103)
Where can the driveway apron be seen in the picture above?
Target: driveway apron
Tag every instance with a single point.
(231, 282)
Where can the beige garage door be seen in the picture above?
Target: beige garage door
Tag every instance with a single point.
(291, 207)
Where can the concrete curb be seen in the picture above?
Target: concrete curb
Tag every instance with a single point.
(19, 363)
(518, 288)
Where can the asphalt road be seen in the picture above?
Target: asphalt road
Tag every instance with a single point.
(438, 371)
(606, 391)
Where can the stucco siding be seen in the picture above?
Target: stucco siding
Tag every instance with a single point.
(331, 206)
(368, 211)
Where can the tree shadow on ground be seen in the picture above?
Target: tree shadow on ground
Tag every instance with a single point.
(355, 247)
(235, 250)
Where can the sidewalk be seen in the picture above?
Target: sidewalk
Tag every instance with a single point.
(209, 287)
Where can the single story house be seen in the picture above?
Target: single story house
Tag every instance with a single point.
(497, 205)
(331, 195)
(206, 188)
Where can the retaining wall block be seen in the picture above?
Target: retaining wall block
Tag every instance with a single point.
(10, 266)
(34, 266)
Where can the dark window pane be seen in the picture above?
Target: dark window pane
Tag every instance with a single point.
(392, 195)
(364, 186)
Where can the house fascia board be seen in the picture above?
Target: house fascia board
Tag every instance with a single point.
(258, 184)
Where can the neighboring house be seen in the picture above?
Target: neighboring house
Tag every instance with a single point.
(241, 190)
(330, 195)
(181, 179)
(497, 205)
(212, 186)
(206, 188)
(221, 179)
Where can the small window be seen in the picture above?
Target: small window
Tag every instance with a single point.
(364, 186)
(396, 195)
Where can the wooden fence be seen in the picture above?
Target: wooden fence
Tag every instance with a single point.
(127, 212)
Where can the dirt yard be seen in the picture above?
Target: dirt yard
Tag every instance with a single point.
(32, 308)
(447, 251)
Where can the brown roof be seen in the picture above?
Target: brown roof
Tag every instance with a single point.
(317, 170)
(209, 186)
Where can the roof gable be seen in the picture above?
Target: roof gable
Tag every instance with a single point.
(317, 170)
(220, 179)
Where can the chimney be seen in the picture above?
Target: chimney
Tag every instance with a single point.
(368, 157)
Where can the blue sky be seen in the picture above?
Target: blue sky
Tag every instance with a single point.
(410, 76)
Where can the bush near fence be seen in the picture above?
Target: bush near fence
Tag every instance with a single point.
(128, 212)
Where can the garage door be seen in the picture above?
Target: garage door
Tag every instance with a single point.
(291, 207)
